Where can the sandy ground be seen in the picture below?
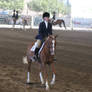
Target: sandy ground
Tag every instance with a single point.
(73, 66)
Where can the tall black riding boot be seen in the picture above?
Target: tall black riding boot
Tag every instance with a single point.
(36, 52)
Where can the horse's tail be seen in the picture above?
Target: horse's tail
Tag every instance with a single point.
(25, 61)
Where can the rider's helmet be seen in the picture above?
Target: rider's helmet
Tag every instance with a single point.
(46, 14)
(14, 10)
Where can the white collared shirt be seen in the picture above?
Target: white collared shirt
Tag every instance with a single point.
(46, 23)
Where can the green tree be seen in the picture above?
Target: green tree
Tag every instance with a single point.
(48, 5)
(11, 4)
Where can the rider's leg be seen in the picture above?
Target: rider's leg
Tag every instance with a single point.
(36, 48)
(36, 45)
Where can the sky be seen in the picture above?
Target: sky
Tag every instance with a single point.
(81, 8)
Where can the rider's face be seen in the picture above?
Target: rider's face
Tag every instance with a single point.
(46, 19)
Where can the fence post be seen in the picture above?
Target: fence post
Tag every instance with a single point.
(71, 23)
(32, 23)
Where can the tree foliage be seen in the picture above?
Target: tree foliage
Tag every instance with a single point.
(11, 4)
(37, 5)
(48, 5)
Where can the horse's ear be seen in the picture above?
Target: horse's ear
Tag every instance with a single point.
(56, 36)
(50, 36)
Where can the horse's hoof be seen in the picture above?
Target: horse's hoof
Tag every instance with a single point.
(47, 88)
(28, 83)
(52, 83)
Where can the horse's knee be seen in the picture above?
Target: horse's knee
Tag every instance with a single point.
(60, 25)
(29, 67)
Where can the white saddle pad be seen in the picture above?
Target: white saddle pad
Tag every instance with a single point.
(41, 48)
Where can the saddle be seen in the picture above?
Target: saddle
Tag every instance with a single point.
(35, 57)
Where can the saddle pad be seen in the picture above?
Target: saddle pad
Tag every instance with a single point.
(41, 48)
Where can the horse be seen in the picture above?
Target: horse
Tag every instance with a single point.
(14, 21)
(24, 22)
(58, 22)
(46, 56)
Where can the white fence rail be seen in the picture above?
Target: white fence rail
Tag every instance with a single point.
(7, 19)
(34, 21)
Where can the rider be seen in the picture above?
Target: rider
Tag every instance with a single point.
(45, 29)
(13, 16)
(16, 16)
(54, 15)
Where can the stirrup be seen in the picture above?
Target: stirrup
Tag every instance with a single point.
(34, 58)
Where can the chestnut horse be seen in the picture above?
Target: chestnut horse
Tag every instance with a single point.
(46, 57)
(58, 22)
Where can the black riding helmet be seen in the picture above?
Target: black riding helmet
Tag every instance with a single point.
(14, 10)
(46, 14)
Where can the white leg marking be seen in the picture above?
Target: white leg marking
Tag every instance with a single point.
(28, 77)
(41, 78)
(53, 79)
(47, 86)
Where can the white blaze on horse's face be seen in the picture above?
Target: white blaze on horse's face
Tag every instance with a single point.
(53, 47)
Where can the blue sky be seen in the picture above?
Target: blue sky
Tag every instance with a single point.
(81, 8)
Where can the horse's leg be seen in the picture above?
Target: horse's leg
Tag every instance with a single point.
(41, 78)
(60, 24)
(23, 26)
(40, 74)
(46, 77)
(28, 73)
(64, 24)
(54, 74)
(13, 23)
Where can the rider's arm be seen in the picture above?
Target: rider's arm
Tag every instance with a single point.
(50, 31)
(40, 29)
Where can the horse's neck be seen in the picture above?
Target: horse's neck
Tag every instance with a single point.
(47, 44)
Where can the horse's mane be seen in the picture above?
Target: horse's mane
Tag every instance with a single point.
(47, 45)
(48, 40)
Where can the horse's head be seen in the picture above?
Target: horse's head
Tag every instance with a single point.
(52, 38)
(52, 43)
